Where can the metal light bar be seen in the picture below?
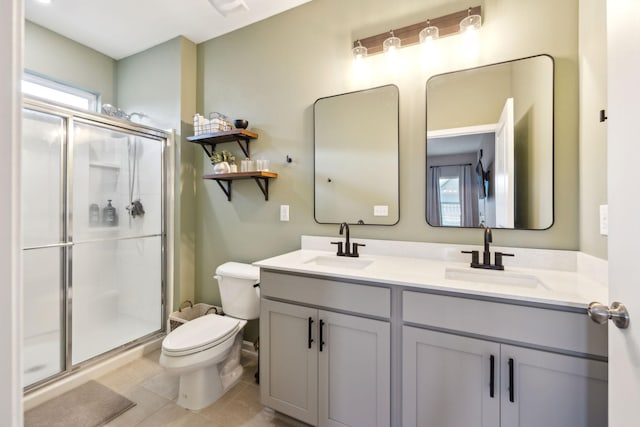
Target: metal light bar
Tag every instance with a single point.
(447, 25)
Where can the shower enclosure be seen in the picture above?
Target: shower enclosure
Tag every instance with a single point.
(94, 259)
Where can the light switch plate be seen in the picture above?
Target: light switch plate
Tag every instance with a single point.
(284, 212)
(604, 220)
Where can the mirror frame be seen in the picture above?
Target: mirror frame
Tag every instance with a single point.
(396, 165)
(552, 142)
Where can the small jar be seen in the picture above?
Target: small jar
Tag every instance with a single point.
(245, 165)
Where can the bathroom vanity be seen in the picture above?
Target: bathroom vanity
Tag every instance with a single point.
(423, 340)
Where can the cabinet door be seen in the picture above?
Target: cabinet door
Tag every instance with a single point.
(447, 381)
(288, 360)
(354, 371)
(552, 390)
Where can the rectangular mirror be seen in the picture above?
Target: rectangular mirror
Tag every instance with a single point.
(356, 157)
(490, 146)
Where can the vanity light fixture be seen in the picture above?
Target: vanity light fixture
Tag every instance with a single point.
(429, 33)
(439, 27)
(359, 51)
(470, 22)
(391, 43)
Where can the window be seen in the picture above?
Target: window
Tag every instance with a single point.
(451, 212)
(59, 93)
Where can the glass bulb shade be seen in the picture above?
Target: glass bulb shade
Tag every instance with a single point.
(429, 33)
(359, 52)
(471, 22)
(391, 43)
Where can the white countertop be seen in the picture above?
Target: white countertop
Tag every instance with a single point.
(561, 285)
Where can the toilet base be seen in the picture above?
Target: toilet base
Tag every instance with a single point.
(200, 388)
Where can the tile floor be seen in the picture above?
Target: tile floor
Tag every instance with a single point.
(144, 382)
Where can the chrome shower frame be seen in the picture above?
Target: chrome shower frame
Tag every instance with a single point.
(166, 138)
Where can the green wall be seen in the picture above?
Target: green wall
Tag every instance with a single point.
(593, 134)
(272, 72)
(64, 60)
(161, 83)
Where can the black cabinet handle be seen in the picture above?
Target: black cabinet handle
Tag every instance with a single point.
(309, 339)
(321, 339)
(492, 373)
(511, 381)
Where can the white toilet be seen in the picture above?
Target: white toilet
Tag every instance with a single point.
(205, 352)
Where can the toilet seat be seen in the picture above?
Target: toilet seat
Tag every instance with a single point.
(200, 334)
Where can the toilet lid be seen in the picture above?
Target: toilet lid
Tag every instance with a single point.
(200, 334)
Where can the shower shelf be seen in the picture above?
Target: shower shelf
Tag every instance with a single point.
(210, 140)
(224, 180)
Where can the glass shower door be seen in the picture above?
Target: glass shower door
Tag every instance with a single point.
(117, 228)
(43, 244)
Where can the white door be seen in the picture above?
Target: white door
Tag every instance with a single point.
(354, 371)
(503, 168)
(447, 381)
(540, 388)
(623, 33)
(289, 359)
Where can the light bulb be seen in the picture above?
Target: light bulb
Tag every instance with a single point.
(429, 33)
(471, 22)
(391, 44)
(359, 52)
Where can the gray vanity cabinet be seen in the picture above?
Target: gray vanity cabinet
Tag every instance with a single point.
(448, 383)
(320, 366)
(288, 362)
(446, 380)
(452, 379)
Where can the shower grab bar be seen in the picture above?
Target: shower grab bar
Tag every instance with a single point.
(67, 244)
(53, 245)
(143, 236)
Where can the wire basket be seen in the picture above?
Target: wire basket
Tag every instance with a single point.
(189, 311)
(215, 123)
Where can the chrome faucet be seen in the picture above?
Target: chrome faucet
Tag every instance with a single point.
(349, 250)
(486, 254)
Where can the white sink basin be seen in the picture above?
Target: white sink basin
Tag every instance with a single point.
(493, 277)
(340, 262)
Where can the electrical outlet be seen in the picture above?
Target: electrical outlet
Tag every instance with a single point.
(284, 212)
(604, 220)
(380, 210)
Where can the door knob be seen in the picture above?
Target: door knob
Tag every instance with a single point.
(600, 313)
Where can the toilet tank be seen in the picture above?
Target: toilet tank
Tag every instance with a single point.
(240, 299)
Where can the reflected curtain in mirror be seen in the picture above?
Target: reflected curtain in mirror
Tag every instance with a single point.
(453, 192)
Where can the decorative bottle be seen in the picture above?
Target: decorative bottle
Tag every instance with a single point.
(109, 215)
(94, 215)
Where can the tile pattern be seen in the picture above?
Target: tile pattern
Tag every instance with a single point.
(155, 393)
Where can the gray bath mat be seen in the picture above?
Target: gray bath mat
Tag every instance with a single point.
(89, 405)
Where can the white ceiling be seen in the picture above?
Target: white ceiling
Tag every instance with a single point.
(119, 28)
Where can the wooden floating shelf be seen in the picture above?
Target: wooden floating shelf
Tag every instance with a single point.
(224, 180)
(211, 139)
